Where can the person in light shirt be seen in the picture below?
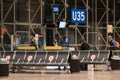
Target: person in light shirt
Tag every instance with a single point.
(33, 41)
(55, 43)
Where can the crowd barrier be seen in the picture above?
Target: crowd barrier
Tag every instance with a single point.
(92, 56)
(54, 58)
(36, 57)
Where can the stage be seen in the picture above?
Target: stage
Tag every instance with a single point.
(83, 75)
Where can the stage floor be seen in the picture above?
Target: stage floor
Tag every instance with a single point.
(82, 75)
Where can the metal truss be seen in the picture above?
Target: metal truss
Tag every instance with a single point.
(109, 12)
(29, 15)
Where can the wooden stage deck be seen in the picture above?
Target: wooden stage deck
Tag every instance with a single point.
(82, 75)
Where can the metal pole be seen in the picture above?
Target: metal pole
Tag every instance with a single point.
(52, 12)
(94, 41)
(54, 21)
(76, 28)
(107, 15)
(14, 16)
(41, 3)
(87, 21)
(1, 21)
(12, 42)
(66, 5)
(114, 17)
(96, 27)
(12, 36)
(29, 17)
(1, 24)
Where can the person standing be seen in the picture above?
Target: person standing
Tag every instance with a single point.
(111, 42)
(33, 41)
(84, 46)
(111, 45)
(40, 41)
(55, 43)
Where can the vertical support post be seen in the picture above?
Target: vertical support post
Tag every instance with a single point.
(14, 16)
(54, 21)
(0, 25)
(1, 22)
(76, 28)
(12, 42)
(87, 7)
(94, 39)
(107, 18)
(114, 26)
(29, 6)
(14, 27)
(66, 5)
(52, 12)
(96, 27)
(41, 3)
(29, 17)
(96, 13)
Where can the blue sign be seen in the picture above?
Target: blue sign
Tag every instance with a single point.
(56, 9)
(78, 16)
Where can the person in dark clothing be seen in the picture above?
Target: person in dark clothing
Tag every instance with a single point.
(111, 42)
(111, 46)
(84, 46)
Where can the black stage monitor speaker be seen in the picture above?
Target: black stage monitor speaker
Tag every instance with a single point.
(4, 69)
(74, 65)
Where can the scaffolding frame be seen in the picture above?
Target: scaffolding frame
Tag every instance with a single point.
(93, 24)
